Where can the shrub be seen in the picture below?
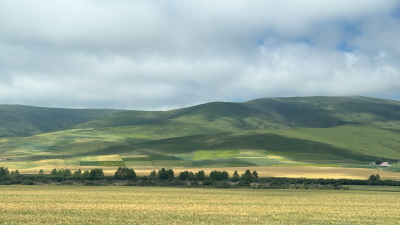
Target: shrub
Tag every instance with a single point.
(222, 184)
(27, 182)
(207, 182)
(244, 183)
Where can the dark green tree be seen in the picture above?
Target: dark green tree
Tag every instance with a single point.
(41, 172)
(235, 176)
(77, 173)
(16, 173)
(218, 175)
(200, 175)
(378, 161)
(4, 171)
(170, 173)
(124, 173)
(254, 175)
(246, 175)
(183, 175)
(191, 176)
(96, 173)
(153, 174)
(64, 173)
(86, 173)
(162, 174)
(374, 177)
(53, 172)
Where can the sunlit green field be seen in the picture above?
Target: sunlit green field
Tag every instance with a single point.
(138, 205)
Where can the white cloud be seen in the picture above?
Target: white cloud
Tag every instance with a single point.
(165, 54)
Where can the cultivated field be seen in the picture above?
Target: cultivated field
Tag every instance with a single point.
(137, 205)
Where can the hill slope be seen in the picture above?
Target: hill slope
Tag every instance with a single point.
(19, 120)
(267, 113)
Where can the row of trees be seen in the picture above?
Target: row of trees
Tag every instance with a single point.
(5, 172)
(124, 173)
(94, 173)
(374, 177)
(164, 174)
(217, 175)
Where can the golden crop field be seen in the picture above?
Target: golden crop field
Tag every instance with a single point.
(109, 158)
(144, 205)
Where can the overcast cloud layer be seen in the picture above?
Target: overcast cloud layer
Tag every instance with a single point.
(166, 54)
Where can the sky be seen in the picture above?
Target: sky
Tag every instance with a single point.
(166, 54)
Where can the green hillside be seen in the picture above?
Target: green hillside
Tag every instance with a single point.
(320, 131)
(19, 120)
(266, 113)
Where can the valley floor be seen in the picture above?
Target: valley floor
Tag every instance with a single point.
(138, 205)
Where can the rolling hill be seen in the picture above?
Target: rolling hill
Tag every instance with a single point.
(270, 131)
(268, 113)
(20, 120)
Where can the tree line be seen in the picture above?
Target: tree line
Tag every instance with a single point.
(167, 177)
(122, 173)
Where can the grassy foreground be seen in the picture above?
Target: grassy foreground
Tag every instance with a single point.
(138, 205)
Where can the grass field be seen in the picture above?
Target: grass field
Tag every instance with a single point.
(203, 155)
(136, 205)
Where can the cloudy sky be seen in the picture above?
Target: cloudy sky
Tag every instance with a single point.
(164, 54)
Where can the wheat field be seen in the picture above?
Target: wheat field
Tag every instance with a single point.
(139, 205)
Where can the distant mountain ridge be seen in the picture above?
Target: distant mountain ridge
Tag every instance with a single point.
(266, 113)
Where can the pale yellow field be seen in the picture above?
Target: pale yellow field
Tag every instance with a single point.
(89, 158)
(138, 205)
(109, 158)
